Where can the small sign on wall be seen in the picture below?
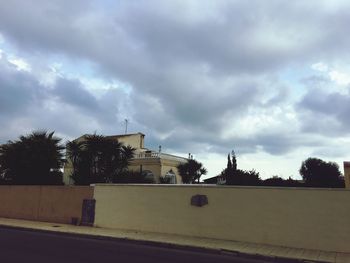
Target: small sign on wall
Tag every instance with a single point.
(199, 200)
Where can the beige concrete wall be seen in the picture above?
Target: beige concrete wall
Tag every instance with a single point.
(301, 218)
(43, 203)
(347, 174)
(67, 172)
(60, 204)
(134, 140)
(20, 202)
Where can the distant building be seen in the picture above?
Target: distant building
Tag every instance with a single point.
(211, 180)
(154, 164)
(219, 179)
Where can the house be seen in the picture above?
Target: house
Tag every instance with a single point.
(154, 164)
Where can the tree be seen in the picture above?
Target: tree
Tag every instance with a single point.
(74, 154)
(273, 181)
(99, 159)
(234, 161)
(280, 182)
(231, 168)
(234, 176)
(35, 159)
(229, 163)
(73, 151)
(191, 171)
(127, 153)
(318, 173)
(242, 177)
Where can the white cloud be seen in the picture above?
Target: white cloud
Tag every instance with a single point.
(340, 78)
(320, 66)
(20, 63)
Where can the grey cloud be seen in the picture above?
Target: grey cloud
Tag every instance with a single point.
(325, 112)
(193, 119)
(239, 39)
(42, 24)
(190, 73)
(141, 39)
(104, 109)
(72, 92)
(66, 107)
(18, 90)
(273, 143)
(331, 151)
(281, 96)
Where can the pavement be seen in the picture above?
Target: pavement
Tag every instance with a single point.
(276, 253)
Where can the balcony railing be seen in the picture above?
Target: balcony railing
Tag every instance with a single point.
(153, 155)
(147, 155)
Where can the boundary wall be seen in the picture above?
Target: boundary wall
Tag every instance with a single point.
(57, 204)
(293, 217)
(347, 174)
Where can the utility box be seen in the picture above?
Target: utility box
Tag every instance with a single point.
(88, 212)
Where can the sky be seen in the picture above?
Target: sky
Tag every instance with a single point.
(267, 79)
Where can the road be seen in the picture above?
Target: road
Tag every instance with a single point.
(18, 246)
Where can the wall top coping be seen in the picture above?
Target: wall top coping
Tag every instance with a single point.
(48, 186)
(222, 187)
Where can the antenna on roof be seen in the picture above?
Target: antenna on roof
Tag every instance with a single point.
(126, 125)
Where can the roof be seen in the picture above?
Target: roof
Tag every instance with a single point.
(124, 135)
(211, 179)
(113, 136)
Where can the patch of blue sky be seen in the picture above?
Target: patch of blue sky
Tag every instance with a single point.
(294, 76)
(88, 73)
(106, 4)
(72, 68)
(4, 45)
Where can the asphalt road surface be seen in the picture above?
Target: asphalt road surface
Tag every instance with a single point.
(22, 246)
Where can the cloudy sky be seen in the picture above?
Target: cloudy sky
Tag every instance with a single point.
(269, 79)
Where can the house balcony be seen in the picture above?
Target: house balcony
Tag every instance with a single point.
(157, 155)
(147, 155)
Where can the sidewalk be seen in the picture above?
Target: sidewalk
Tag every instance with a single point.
(224, 246)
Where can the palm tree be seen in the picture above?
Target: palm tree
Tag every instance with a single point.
(94, 146)
(8, 167)
(74, 153)
(33, 159)
(202, 171)
(98, 159)
(112, 158)
(191, 171)
(128, 153)
(73, 150)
